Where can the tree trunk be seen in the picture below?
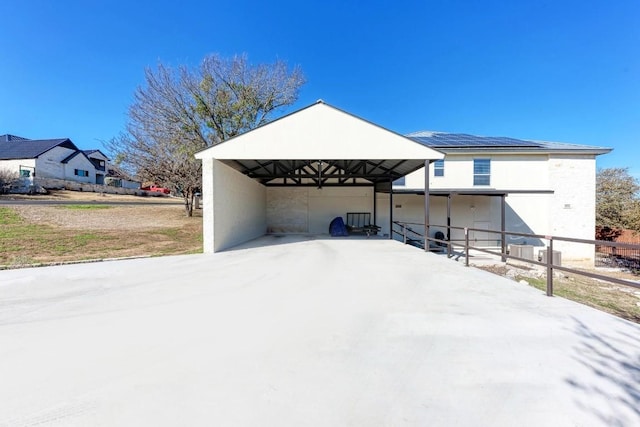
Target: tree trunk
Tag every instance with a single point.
(188, 203)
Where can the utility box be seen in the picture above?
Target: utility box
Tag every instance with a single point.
(521, 251)
(557, 257)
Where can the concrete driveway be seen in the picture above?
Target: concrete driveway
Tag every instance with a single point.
(306, 332)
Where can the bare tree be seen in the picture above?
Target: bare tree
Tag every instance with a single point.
(181, 111)
(7, 179)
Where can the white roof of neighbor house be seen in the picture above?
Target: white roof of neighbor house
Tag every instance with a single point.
(320, 132)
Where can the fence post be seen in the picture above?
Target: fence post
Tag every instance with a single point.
(404, 233)
(550, 267)
(466, 246)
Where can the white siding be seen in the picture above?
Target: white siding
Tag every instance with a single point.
(320, 132)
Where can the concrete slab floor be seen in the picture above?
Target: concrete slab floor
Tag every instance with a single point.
(295, 331)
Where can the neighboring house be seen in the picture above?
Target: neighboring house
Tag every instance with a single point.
(297, 173)
(57, 159)
(99, 161)
(45, 158)
(116, 177)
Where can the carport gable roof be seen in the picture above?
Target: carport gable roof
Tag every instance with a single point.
(350, 148)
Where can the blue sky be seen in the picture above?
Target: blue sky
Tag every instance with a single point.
(560, 70)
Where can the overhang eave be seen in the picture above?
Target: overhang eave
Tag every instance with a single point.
(324, 172)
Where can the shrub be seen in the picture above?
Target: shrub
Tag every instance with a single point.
(7, 179)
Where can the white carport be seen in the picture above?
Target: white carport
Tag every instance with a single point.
(298, 172)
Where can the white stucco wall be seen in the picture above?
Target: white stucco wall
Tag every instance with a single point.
(234, 207)
(507, 171)
(14, 165)
(568, 212)
(48, 164)
(310, 210)
(466, 211)
(573, 205)
(80, 162)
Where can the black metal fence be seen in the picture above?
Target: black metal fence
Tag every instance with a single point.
(620, 255)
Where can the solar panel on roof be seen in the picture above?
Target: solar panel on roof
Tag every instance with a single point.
(461, 140)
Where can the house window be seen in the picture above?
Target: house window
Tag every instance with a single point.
(438, 168)
(400, 181)
(25, 173)
(481, 171)
(80, 172)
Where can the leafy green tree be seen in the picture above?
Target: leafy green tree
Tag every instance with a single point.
(179, 112)
(617, 199)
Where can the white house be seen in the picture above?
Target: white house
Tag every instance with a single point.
(46, 158)
(294, 175)
(56, 159)
(548, 188)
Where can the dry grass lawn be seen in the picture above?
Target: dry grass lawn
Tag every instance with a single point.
(619, 300)
(35, 234)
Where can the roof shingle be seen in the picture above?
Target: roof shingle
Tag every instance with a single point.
(30, 149)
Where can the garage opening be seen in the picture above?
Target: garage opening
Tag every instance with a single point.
(296, 174)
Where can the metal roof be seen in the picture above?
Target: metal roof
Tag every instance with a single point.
(88, 153)
(9, 137)
(31, 148)
(451, 142)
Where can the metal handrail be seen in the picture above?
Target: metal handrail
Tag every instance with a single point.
(548, 263)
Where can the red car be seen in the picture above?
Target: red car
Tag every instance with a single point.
(157, 189)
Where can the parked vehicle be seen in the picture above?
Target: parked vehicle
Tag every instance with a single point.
(157, 189)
